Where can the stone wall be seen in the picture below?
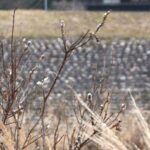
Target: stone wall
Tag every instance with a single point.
(126, 61)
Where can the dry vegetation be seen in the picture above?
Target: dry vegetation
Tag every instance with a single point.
(120, 24)
(92, 125)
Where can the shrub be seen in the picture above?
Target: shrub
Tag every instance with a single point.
(91, 124)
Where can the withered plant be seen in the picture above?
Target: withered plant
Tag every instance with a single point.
(16, 88)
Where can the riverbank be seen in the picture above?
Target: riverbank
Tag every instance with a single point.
(42, 24)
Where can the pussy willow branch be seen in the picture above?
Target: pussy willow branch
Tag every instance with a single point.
(46, 97)
(34, 140)
(13, 73)
(102, 23)
(67, 52)
(81, 41)
(3, 61)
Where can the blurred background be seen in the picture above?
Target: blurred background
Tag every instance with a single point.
(124, 41)
(77, 4)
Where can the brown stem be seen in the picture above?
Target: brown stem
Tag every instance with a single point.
(46, 97)
(13, 73)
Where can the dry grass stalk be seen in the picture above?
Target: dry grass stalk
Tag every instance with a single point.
(6, 139)
(142, 124)
(99, 131)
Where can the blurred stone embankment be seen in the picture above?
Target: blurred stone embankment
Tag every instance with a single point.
(126, 62)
